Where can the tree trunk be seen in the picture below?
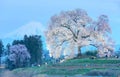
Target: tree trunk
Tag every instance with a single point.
(79, 52)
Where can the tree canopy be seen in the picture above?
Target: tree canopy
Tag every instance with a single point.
(34, 46)
(1, 48)
(69, 31)
(18, 56)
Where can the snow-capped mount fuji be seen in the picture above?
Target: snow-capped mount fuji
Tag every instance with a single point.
(32, 28)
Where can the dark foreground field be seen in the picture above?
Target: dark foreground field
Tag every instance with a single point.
(70, 68)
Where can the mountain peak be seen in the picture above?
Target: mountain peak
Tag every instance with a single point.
(32, 28)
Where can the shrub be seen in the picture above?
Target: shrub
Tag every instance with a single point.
(91, 53)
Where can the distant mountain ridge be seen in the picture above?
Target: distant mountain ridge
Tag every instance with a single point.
(32, 28)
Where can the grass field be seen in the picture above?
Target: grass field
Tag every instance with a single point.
(73, 67)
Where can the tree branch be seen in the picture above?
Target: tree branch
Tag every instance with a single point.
(70, 31)
(86, 36)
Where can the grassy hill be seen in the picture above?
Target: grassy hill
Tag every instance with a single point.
(73, 68)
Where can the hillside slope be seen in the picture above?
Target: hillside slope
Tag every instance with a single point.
(73, 68)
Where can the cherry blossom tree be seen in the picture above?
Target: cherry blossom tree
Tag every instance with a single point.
(18, 56)
(100, 32)
(69, 31)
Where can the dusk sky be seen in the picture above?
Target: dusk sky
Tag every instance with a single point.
(16, 13)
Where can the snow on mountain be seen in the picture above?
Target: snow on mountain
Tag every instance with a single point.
(32, 28)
